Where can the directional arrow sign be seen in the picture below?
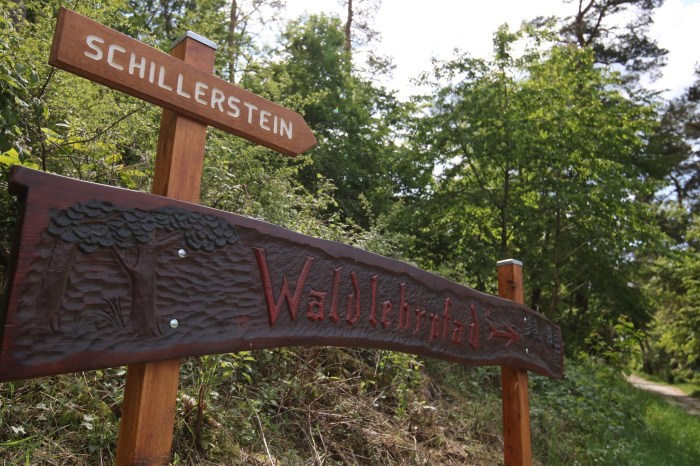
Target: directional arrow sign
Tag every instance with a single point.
(96, 52)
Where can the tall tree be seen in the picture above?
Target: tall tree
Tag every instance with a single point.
(348, 27)
(350, 115)
(618, 32)
(359, 29)
(247, 19)
(685, 112)
(673, 349)
(671, 276)
(537, 157)
(161, 17)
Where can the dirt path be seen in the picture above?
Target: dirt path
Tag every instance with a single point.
(672, 394)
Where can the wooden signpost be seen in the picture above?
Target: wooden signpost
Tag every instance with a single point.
(105, 277)
(91, 50)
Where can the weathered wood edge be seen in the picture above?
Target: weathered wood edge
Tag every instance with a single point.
(20, 192)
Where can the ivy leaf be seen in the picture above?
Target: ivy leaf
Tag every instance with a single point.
(9, 158)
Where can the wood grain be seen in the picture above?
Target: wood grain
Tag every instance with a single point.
(517, 449)
(148, 414)
(244, 295)
(179, 177)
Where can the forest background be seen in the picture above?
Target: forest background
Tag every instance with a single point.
(551, 150)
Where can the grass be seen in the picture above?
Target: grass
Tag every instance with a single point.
(690, 389)
(671, 437)
(332, 406)
(595, 417)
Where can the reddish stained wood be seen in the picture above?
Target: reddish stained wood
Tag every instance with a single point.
(261, 286)
(150, 394)
(517, 448)
(91, 50)
(181, 141)
(510, 280)
(148, 413)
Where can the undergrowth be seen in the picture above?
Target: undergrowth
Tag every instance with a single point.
(335, 406)
(594, 416)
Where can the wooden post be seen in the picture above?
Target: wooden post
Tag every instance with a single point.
(517, 449)
(150, 395)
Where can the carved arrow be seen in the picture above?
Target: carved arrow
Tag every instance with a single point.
(510, 334)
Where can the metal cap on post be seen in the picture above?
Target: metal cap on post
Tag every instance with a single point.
(193, 35)
(505, 262)
(510, 280)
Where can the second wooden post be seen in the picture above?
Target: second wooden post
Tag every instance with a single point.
(517, 449)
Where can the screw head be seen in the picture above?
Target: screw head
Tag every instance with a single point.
(174, 324)
(182, 253)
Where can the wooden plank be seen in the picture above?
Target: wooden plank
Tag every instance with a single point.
(150, 394)
(239, 284)
(514, 381)
(96, 52)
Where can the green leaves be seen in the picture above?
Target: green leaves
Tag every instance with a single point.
(673, 283)
(11, 157)
(538, 158)
(350, 115)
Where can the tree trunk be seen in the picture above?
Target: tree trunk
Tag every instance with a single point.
(557, 263)
(232, 48)
(535, 298)
(348, 29)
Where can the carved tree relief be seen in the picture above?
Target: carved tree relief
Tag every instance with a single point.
(135, 237)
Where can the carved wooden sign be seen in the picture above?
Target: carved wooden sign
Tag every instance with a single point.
(105, 277)
(94, 51)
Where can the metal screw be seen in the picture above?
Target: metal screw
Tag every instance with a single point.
(174, 323)
(525, 319)
(182, 253)
(527, 351)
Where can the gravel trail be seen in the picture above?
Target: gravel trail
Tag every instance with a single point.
(672, 394)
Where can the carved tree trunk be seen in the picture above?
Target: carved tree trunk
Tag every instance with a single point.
(142, 273)
(56, 282)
